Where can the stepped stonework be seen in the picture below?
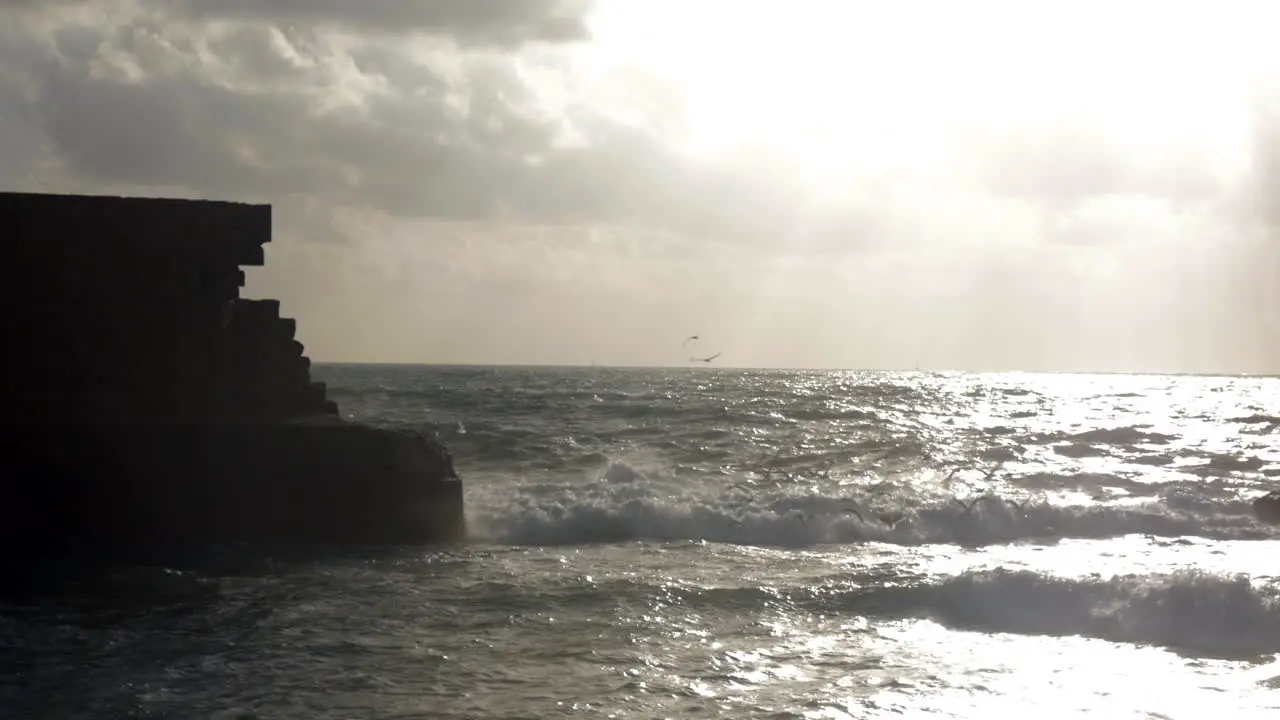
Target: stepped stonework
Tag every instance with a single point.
(146, 400)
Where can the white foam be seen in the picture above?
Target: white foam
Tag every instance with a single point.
(636, 497)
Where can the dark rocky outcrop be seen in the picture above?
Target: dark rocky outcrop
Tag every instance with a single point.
(1267, 508)
(273, 481)
(146, 401)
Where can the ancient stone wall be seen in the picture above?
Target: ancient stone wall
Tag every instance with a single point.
(130, 308)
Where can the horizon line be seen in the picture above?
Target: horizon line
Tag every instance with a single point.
(702, 368)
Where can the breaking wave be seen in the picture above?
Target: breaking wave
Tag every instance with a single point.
(1194, 613)
(1191, 611)
(626, 503)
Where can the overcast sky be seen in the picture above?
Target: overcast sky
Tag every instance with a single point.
(979, 185)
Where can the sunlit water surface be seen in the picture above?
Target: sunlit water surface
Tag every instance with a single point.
(710, 543)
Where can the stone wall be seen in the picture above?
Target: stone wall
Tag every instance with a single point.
(130, 308)
(147, 402)
(318, 480)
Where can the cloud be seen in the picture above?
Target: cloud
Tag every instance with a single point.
(458, 155)
(1064, 161)
(259, 107)
(255, 111)
(497, 22)
(1265, 167)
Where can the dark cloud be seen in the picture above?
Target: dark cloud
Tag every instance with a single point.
(36, 4)
(250, 113)
(260, 110)
(496, 22)
(500, 23)
(406, 150)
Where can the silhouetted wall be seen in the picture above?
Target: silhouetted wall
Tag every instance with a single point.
(129, 308)
(320, 480)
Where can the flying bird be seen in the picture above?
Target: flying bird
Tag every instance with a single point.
(705, 359)
(686, 340)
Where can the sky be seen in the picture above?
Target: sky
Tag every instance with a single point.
(1051, 186)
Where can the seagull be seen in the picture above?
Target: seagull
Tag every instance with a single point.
(705, 359)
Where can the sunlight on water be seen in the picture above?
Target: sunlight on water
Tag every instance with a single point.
(1133, 554)
(717, 543)
(836, 669)
(1060, 677)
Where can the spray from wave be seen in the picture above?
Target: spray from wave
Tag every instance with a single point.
(640, 498)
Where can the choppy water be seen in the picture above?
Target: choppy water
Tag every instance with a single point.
(683, 543)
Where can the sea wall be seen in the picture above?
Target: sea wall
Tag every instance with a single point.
(148, 401)
(324, 481)
(131, 308)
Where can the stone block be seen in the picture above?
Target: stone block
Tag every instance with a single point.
(149, 397)
(307, 481)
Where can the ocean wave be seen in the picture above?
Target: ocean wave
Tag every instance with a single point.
(627, 502)
(1192, 612)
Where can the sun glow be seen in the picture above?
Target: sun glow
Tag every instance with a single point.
(866, 88)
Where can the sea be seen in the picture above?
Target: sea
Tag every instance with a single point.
(701, 542)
